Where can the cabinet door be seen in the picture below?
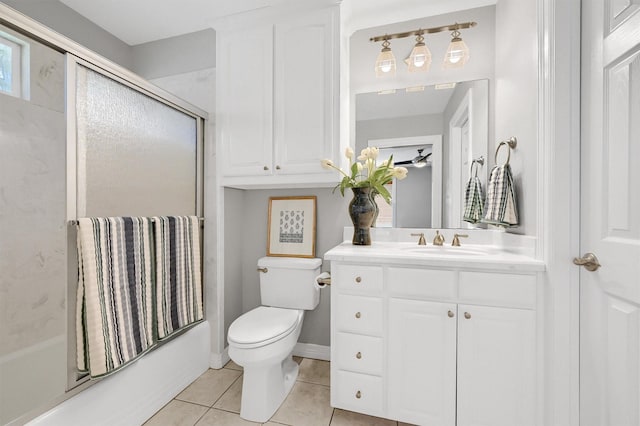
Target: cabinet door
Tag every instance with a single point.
(245, 100)
(496, 366)
(422, 362)
(306, 95)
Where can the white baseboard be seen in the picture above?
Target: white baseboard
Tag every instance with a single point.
(309, 350)
(219, 360)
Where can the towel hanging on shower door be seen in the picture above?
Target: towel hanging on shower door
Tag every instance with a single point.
(114, 320)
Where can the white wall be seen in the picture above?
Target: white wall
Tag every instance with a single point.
(516, 100)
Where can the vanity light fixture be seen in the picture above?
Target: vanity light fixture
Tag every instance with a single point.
(386, 62)
(457, 53)
(420, 58)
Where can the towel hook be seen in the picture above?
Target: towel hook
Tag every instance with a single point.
(476, 162)
(511, 144)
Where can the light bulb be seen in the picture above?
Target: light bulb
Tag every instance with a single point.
(386, 62)
(457, 53)
(420, 57)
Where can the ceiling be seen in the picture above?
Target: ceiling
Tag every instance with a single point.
(141, 21)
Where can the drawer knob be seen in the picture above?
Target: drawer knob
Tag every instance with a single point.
(467, 315)
(450, 314)
(358, 395)
(277, 167)
(358, 279)
(265, 168)
(358, 315)
(359, 355)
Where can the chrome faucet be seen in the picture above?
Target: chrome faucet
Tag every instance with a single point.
(456, 239)
(438, 240)
(421, 241)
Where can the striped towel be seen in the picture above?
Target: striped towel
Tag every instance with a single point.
(114, 314)
(179, 282)
(473, 201)
(501, 207)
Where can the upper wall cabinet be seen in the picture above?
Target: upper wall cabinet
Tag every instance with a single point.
(278, 97)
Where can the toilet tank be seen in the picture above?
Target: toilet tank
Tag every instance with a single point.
(289, 282)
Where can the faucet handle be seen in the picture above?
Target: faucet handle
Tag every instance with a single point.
(456, 239)
(421, 241)
(438, 240)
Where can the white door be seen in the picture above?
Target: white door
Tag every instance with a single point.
(496, 366)
(422, 362)
(610, 214)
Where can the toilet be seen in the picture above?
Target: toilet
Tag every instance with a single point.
(262, 340)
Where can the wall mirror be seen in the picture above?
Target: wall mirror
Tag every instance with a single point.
(447, 112)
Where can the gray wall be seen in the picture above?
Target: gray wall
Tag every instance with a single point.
(175, 55)
(171, 56)
(246, 242)
(70, 23)
(398, 127)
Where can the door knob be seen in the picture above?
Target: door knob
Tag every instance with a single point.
(589, 261)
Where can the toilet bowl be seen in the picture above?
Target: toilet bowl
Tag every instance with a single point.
(262, 340)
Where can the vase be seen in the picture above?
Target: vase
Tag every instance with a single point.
(373, 193)
(361, 210)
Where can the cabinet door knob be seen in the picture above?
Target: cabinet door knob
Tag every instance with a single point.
(358, 279)
(265, 168)
(359, 355)
(450, 314)
(358, 315)
(467, 315)
(358, 395)
(277, 167)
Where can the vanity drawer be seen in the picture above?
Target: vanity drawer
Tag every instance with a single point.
(418, 282)
(357, 392)
(362, 354)
(496, 289)
(358, 314)
(358, 278)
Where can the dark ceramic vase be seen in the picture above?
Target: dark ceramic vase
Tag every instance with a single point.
(373, 193)
(362, 211)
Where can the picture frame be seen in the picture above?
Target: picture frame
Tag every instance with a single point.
(291, 226)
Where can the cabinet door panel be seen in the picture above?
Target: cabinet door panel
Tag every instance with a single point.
(422, 362)
(305, 108)
(245, 101)
(496, 366)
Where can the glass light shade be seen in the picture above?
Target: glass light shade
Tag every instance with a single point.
(457, 54)
(420, 58)
(386, 62)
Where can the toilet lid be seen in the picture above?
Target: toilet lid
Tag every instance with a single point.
(263, 325)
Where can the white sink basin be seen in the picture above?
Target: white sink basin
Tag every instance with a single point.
(446, 250)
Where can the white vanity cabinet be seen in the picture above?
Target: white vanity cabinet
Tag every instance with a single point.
(277, 110)
(457, 346)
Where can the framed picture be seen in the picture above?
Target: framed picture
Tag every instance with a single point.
(291, 230)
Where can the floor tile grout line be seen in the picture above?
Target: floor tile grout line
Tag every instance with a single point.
(313, 383)
(227, 389)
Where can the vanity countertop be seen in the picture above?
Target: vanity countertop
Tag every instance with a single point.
(468, 256)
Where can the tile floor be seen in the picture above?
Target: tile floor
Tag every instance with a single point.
(214, 399)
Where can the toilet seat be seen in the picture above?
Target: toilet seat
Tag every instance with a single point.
(263, 325)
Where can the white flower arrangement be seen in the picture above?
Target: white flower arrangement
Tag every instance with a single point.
(366, 173)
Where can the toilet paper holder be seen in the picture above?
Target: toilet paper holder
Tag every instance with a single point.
(324, 279)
